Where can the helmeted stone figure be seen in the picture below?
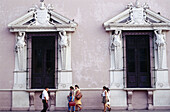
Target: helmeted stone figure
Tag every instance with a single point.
(21, 51)
(63, 46)
(115, 46)
(160, 42)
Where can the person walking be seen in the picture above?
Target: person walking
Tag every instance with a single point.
(71, 99)
(108, 99)
(104, 96)
(45, 98)
(77, 100)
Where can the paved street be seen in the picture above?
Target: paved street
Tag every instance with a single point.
(100, 111)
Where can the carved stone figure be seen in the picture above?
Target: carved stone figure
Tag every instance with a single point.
(115, 46)
(63, 45)
(160, 42)
(21, 50)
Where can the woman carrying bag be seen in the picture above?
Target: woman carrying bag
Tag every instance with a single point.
(71, 100)
(78, 96)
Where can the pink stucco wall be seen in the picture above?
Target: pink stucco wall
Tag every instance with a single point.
(90, 42)
(5, 102)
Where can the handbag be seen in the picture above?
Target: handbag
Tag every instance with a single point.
(79, 96)
(72, 103)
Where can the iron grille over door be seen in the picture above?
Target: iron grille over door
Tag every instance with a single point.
(138, 61)
(43, 62)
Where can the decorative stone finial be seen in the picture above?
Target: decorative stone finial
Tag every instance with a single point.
(137, 3)
(42, 6)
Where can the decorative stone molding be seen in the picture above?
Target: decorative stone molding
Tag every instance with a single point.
(137, 17)
(150, 100)
(42, 19)
(31, 95)
(130, 106)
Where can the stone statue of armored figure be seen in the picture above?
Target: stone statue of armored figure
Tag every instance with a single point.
(160, 44)
(20, 50)
(115, 44)
(64, 42)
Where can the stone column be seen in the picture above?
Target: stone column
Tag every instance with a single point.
(20, 98)
(116, 60)
(65, 75)
(116, 70)
(162, 92)
(161, 71)
(20, 62)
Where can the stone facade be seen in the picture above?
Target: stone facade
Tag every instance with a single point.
(90, 51)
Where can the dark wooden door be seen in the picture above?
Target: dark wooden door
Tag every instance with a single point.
(138, 61)
(43, 62)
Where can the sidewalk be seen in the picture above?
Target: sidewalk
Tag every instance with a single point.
(100, 111)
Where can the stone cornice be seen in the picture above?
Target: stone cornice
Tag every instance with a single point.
(123, 26)
(54, 28)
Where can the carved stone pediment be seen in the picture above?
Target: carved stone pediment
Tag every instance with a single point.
(42, 18)
(137, 17)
